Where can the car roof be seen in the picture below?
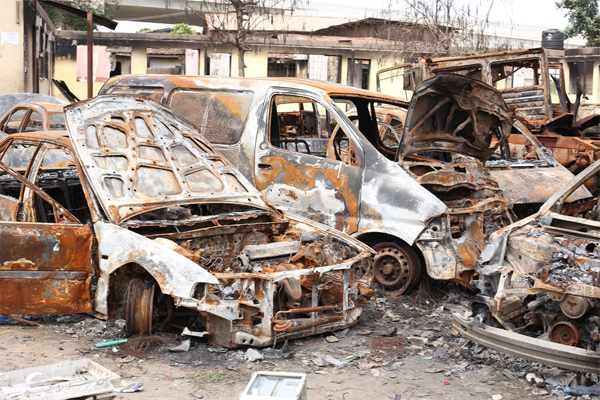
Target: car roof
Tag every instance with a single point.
(58, 137)
(170, 82)
(51, 107)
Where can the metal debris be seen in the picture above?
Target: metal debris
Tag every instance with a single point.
(538, 279)
(183, 347)
(166, 230)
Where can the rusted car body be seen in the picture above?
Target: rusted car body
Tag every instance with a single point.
(540, 276)
(523, 168)
(8, 101)
(33, 117)
(135, 214)
(527, 172)
(523, 78)
(414, 205)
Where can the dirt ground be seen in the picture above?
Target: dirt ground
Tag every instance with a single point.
(402, 345)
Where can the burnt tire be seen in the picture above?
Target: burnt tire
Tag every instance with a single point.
(397, 267)
(139, 307)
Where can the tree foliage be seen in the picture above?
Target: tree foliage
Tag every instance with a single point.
(183, 29)
(66, 21)
(584, 19)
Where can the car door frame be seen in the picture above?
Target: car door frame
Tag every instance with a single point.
(346, 219)
(58, 279)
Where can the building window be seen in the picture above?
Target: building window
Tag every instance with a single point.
(218, 64)
(165, 64)
(584, 73)
(325, 68)
(359, 73)
(287, 65)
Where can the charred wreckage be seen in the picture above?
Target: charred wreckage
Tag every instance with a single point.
(424, 185)
(539, 279)
(133, 214)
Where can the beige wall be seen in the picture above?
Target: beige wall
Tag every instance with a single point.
(66, 70)
(139, 60)
(256, 64)
(256, 61)
(11, 55)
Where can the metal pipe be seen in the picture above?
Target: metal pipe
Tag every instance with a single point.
(310, 309)
(312, 324)
(90, 55)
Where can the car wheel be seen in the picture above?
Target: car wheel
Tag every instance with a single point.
(139, 307)
(397, 267)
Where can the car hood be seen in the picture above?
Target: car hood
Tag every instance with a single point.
(453, 113)
(138, 156)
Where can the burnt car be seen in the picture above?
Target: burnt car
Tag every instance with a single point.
(33, 117)
(133, 214)
(523, 168)
(539, 279)
(532, 86)
(425, 204)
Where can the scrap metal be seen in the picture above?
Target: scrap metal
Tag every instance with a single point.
(557, 126)
(347, 170)
(32, 117)
(176, 234)
(539, 276)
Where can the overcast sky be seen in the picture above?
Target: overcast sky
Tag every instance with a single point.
(538, 13)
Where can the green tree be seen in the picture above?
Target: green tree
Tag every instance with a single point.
(144, 30)
(183, 29)
(67, 21)
(584, 19)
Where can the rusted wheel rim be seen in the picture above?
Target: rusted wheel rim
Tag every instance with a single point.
(139, 308)
(396, 267)
(564, 333)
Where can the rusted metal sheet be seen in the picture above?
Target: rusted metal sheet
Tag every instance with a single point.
(45, 268)
(533, 185)
(130, 158)
(574, 153)
(455, 114)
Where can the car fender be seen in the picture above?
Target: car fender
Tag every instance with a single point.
(175, 274)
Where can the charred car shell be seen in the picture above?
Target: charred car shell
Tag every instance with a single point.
(152, 222)
(539, 277)
(449, 131)
(32, 117)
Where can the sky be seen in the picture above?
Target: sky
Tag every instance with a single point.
(536, 13)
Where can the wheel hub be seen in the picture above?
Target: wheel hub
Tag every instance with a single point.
(140, 308)
(564, 333)
(396, 267)
(388, 269)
